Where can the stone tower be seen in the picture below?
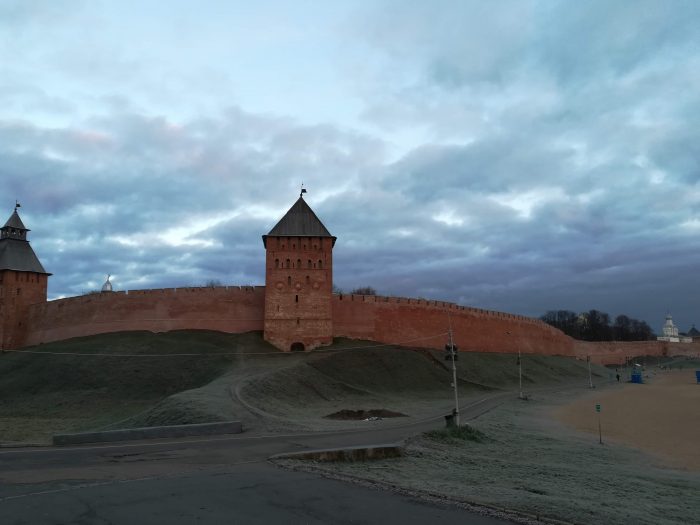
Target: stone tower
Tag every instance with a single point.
(298, 281)
(23, 281)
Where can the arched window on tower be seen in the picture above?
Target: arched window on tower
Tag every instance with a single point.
(308, 263)
(308, 280)
(288, 263)
(277, 263)
(289, 280)
(298, 263)
(320, 264)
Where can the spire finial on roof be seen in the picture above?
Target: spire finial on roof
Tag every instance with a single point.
(17, 204)
(303, 190)
(107, 286)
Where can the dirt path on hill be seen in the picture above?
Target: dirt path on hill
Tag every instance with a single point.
(661, 417)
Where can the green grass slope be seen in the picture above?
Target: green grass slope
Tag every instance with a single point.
(133, 379)
(86, 383)
(362, 374)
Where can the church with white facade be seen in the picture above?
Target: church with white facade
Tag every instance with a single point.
(670, 333)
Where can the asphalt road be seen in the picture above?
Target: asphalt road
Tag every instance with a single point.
(225, 479)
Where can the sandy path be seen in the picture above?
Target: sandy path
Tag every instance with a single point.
(661, 416)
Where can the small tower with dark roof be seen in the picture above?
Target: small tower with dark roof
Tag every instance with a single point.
(299, 281)
(23, 280)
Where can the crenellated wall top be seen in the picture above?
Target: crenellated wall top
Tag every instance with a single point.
(430, 303)
(200, 290)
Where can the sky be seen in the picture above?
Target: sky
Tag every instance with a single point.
(520, 156)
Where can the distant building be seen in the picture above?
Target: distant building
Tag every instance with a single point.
(670, 332)
(107, 286)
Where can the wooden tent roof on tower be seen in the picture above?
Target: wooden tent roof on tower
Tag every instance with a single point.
(15, 252)
(299, 221)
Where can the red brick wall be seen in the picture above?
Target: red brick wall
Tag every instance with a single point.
(418, 322)
(18, 290)
(227, 309)
(298, 279)
(614, 352)
(414, 322)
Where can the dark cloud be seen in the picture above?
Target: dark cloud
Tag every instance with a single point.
(553, 163)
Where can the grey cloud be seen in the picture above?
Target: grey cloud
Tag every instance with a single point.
(507, 111)
(133, 177)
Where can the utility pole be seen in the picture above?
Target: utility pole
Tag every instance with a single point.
(452, 348)
(590, 377)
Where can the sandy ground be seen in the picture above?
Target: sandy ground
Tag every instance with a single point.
(661, 417)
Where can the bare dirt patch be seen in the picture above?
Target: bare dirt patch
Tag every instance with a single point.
(660, 416)
(346, 414)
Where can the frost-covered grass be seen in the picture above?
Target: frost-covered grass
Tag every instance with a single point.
(526, 462)
(455, 434)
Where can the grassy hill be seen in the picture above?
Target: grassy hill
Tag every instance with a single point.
(87, 383)
(140, 379)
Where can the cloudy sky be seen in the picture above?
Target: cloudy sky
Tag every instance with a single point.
(513, 155)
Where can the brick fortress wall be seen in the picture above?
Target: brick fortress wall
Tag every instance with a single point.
(423, 323)
(413, 322)
(230, 309)
(391, 320)
(615, 352)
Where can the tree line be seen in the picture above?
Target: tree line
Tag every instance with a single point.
(363, 290)
(595, 325)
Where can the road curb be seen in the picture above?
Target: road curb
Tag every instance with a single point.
(132, 434)
(359, 453)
